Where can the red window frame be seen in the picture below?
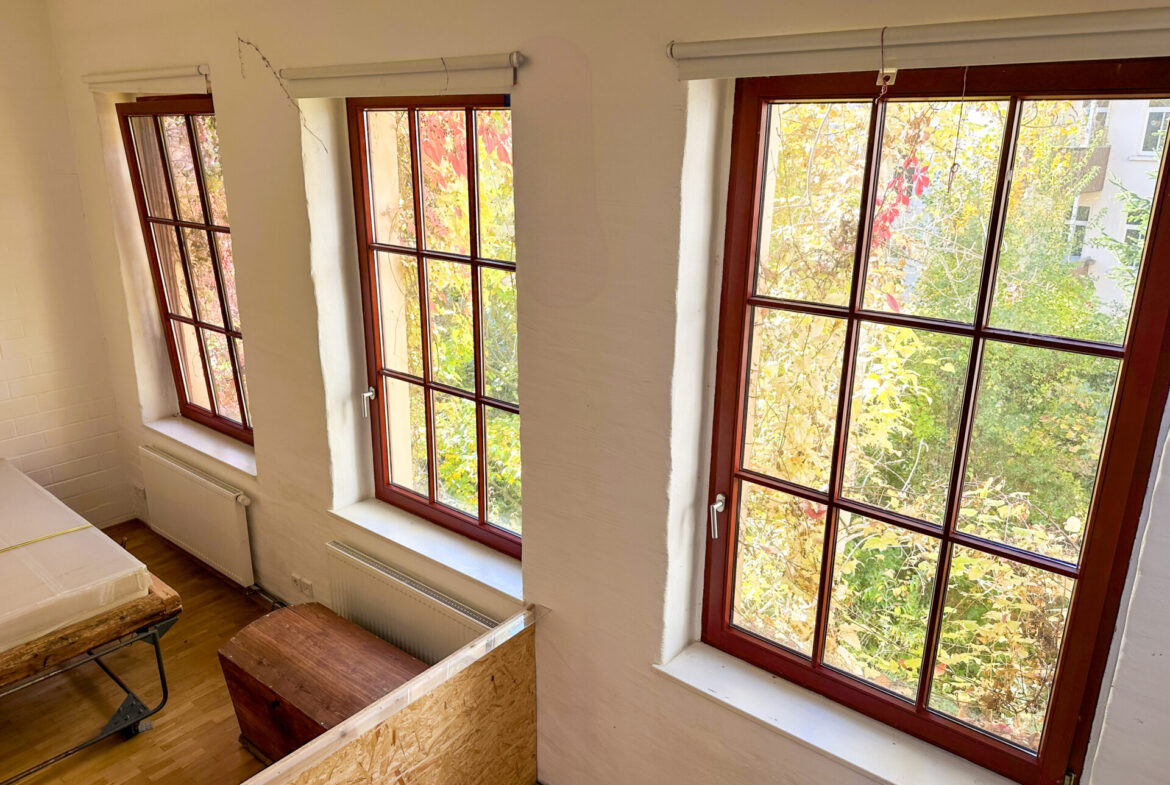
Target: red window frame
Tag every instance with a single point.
(187, 106)
(475, 527)
(1130, 439)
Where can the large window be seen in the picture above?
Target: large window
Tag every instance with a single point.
(172, 146)
(934, 420)
(433, 194)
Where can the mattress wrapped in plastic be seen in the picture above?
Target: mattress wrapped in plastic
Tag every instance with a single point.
(55, 569)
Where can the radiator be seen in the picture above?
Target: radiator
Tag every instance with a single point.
(202, 515)
(397, 608)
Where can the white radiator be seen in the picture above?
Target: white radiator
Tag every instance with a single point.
(202, 515)
(397, 608)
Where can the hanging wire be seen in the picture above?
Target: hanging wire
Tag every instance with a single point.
(885, 78)
(958, 131)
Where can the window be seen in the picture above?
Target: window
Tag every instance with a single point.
(433, 194)
(1155, 131)
(172, 146)
(1078, 226)
(933, 426)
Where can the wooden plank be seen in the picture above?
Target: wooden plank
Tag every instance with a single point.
(301, 670)
(49, 651)
(470, 720)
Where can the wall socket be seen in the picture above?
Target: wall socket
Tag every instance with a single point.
(303, 585)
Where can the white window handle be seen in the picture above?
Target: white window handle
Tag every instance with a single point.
(716, 507)
(367, 396)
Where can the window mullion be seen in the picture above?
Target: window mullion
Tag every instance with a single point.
(182, 246)
(849, 358)
(967, 415)
(424, 307)
(476, 316)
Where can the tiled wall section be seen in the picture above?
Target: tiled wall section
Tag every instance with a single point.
(57, 414)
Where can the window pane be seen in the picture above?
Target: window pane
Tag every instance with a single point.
(182, 165)
(503, 469)
(150, 167)
(1155, 131)
(999, 645)
(203, 276)
(443, 158)
(406, 435)
(456, 453)
(401, 311)
(191, 364)
(1035, 446)
(223, 378)
(452, 342)
(227, 269)
(883, 583)
(170, 263)
(207, 137)
(1061, 279)
(904, 420)
(497, 293)
(391, 184)
(239, 347)
(778, 566)
(791, 410)
(814, 165)
(929, 226)
(497, 213)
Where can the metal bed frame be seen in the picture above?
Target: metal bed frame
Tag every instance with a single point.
(131, 716)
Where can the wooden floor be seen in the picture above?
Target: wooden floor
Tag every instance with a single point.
(194, 739)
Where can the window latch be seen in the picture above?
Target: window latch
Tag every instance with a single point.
(367, 396)
(716, 507)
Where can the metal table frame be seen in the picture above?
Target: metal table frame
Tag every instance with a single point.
(130, 717)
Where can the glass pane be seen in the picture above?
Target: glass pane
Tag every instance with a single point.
(174, 130)
(778, 566)
(391, 185)
(791, 410)
(904, 420)
(814, 165)
(497, 294)
(456, 453)
(239, 347)
(227, 269)
(203, 276)
(503, 469)
(223, 378)
(191, 363)
(170, 264)
(443, 158)
(406, 434)
(999, 645)
(497, 213)
(1035, 445)
(939, 163)
(883, 583)
(452, 342)
(401, 311)
(150, 167)
(1154, 135)
(1062, 270)
(207, 137)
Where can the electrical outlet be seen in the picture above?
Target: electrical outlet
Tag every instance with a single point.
(303, 585)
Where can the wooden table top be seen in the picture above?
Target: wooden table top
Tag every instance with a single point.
(326, 666)
(48, 651)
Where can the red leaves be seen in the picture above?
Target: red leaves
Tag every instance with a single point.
(893, 303)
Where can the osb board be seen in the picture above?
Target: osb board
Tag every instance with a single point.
(48, 651)
(476, 728)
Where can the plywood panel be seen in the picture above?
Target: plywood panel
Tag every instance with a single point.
(470, 720)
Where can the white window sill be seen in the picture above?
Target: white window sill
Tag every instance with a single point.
(1144, 157)
(859, 742)
(493, 570)
(228, 451)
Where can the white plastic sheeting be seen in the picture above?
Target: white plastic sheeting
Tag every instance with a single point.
(49, 583)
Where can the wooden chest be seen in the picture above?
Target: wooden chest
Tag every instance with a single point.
(298, 671)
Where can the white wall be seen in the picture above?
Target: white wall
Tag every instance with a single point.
(58, 418)
(615, 328)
